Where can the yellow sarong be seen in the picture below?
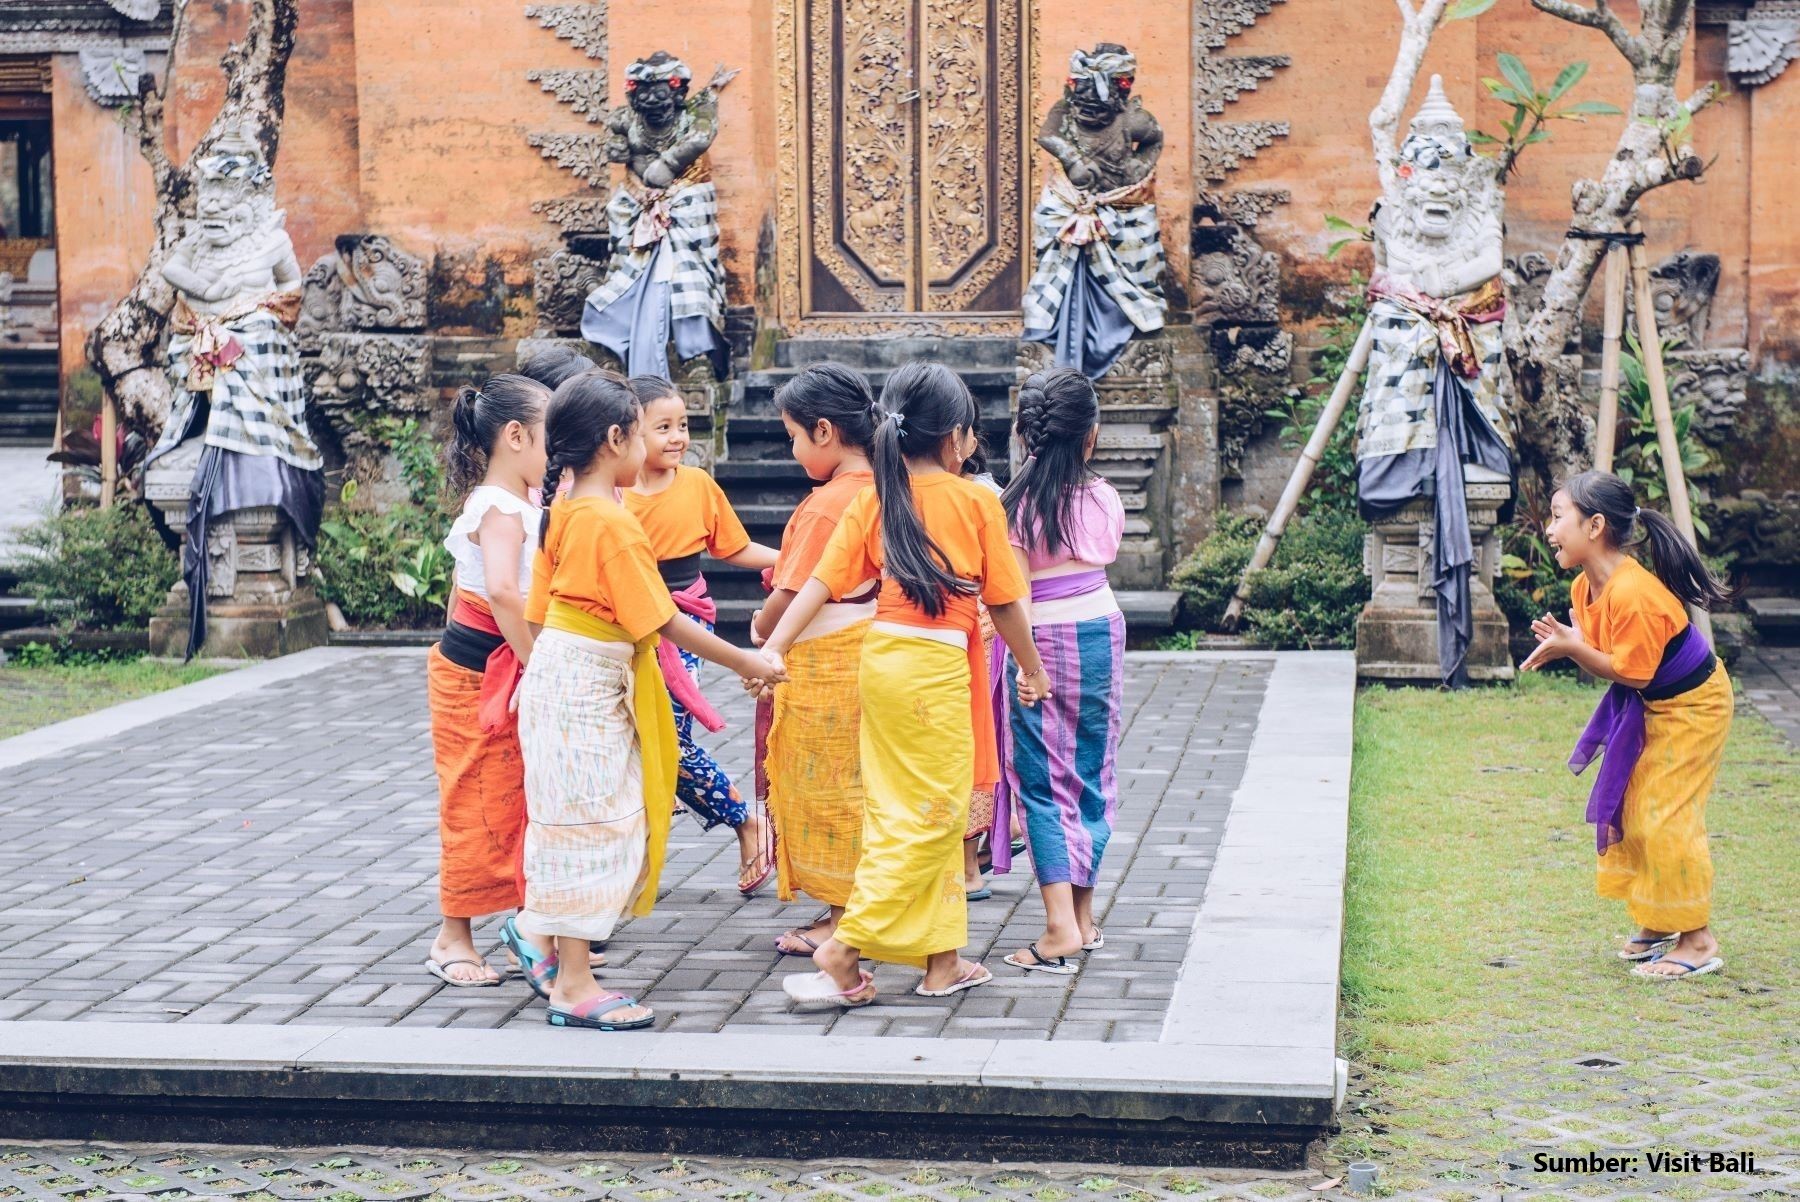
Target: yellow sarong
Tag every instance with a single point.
(1662, 868)
(655, 722)
(918, 767)
(815, 768)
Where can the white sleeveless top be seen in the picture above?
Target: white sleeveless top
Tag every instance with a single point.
(471, 573)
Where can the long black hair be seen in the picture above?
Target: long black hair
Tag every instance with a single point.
(1673, 559)
(478, 417)
(925, 403)
(831, 392)
(1057, 411)
(555, 364)
(580, 419)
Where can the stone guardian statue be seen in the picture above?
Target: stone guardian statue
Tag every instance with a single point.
(1100, 257)
(1431, 426)
(236, 466)
(665, 283)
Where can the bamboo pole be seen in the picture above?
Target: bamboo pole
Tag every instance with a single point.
(1303, 472)
(109, 452)
(1612, 330)
(1650, 345)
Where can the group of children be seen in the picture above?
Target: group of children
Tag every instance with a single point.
(564, 692)
(939, 661)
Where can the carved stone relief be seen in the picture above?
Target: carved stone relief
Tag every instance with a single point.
(384, 287)
(1234, 280)
(581, 25)
(1763, 43)
(112, 73)
(1714, 382)
(560, 285)
(1682, 288)
(583, 91)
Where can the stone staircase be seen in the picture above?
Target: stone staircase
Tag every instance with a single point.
(28, 394)
(758, 472)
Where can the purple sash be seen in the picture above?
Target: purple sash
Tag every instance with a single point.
(1043, 588)
(1617, 731)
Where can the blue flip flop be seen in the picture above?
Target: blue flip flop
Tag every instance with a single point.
(539, 969)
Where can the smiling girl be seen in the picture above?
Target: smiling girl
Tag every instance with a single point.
(1662, 724)
(684, 512)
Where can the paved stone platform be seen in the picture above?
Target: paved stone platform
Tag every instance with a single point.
(275, 861)
(1770, 677)
(248, 865)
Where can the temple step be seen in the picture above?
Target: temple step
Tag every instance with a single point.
(28, 394)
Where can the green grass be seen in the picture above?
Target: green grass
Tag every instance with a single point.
(34, 697)
(1467, 845)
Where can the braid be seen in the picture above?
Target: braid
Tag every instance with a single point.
(1058, 411)
(553, 471)
(1032, 423)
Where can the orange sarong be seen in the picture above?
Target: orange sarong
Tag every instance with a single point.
(481, 790)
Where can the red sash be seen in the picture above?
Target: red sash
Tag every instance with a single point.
(501, 676)
(693, 601)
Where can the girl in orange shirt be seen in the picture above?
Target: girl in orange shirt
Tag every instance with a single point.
(1661, 726)
(594, 720)
(927, 735)
(683, 511)
(814, 757)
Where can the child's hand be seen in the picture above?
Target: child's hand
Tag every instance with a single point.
(1555, 641)
(756, 639)
(1034, 687)
(777, 670)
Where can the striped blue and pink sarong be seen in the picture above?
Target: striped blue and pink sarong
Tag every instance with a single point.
(1060, 755)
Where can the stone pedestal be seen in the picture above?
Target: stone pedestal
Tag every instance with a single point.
(1396, 633)
(259, 598)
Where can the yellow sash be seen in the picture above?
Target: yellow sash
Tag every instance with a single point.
(655, 722)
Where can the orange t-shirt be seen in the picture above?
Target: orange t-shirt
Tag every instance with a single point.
(963, 518)
(1632, 619)
(811, 527)
(692, 513)
(596, 557)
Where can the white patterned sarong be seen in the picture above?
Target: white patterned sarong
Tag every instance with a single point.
(1118, 233)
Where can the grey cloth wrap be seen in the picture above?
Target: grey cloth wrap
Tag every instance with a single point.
(1386, 483)
(1091, 328)
(228, 480)
(636, 327)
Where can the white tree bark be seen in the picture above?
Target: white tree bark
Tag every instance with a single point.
(124, 349)
(1417, 24)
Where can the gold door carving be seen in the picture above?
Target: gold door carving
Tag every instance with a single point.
(902, 157)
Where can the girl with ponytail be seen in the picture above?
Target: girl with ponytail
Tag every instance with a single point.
(937, 542)
(496, 459)
(595, 725)
(1067, 522)
(811, 749)
(1661, 725)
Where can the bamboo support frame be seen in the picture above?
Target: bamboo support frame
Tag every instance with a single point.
(1303, 472)
(1607, 431)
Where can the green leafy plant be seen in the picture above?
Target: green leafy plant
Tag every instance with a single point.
(364, 552)
(1530, 583)
(1639, 459)
(421, 460)
(424, 574)
(1352, 233)
(1334, 480)
(1308, 596)
(1532, 108)
(98, 569)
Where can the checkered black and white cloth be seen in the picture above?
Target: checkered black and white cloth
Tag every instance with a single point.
(1398, 412)
(257, 402)
(687, 215)
(1117, 231)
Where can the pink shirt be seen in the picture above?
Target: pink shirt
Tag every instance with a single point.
(1096, 524)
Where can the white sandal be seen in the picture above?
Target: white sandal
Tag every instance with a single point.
(817, 989)
(979, 975)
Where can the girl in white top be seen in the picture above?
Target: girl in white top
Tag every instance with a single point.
(498, 448)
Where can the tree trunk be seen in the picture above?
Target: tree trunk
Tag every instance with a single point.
(125, 348)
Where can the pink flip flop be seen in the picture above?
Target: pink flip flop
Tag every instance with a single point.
(979, 975)
(817, 989)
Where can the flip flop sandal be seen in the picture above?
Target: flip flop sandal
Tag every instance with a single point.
(981, 894)
(979, 975)
(1018, 847)
(1059, 967)
(538, 969)
(1692, 970)
(592, 1013)
(795, 934)
(1096, 943)
(1652, 947)
(749, 888)
(441, 970)
(818, 990)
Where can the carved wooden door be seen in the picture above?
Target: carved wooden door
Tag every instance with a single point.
(913, 156)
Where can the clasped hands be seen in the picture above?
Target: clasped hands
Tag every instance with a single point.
(1555, 641)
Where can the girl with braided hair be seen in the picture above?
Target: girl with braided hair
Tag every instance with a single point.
(496, 458)
(814, 758)
(937, 541)
(594, 719)
(1661, 725)
(1066, 522)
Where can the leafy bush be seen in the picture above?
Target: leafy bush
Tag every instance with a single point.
(1308, 596)
(100, 569)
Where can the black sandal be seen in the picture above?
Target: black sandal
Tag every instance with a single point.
(1059, 967)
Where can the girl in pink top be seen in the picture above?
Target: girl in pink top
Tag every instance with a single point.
(1066, 522)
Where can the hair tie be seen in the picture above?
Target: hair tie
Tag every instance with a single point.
(1636, 512)
(899, 420)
